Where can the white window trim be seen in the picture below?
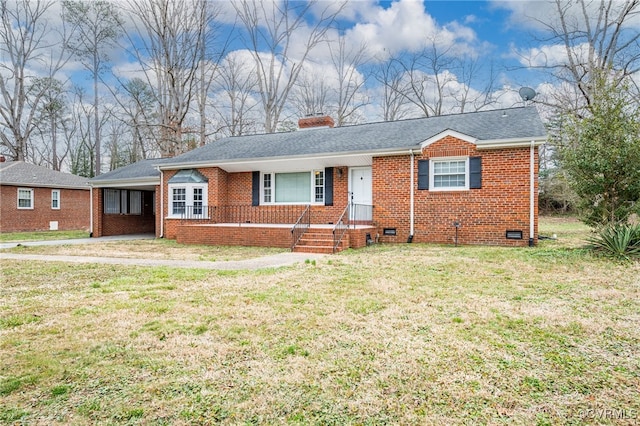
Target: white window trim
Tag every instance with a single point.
(30, 190)
(312, 189)
(432, 168)
(55, 191)
(189, 187)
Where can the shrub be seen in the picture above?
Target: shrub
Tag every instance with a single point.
(620, 241)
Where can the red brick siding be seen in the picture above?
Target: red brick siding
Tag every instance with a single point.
(485, 214)
(235, 189)
(74, 212)
(97, 212)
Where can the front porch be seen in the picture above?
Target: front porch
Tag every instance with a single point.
(299, 228)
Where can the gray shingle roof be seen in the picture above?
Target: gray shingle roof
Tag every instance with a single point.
(514, 123)
(139, 170)
(19, 173)
(507, 124)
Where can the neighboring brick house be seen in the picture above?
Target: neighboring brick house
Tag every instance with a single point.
(465, 178)
(34, 198)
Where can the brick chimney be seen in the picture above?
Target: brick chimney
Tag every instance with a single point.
(315, 121)
(2, 159)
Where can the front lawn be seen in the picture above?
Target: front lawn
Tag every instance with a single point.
(390, 334)
(42, 235)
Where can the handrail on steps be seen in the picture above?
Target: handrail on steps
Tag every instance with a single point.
(300, 227)
(341, 228)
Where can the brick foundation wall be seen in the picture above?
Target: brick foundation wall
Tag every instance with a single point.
(485, 214)
(255, 235)
(234, 235)
(74, 212)
(358, 237)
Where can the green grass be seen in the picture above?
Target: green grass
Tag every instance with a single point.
(42, 235)
(390, 334)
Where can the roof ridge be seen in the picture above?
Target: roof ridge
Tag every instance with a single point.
(10, 164)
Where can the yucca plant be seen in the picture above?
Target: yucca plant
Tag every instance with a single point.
(619, 241)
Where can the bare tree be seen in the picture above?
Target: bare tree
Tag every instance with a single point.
(471, 72)
(97, 27)
(394, 91)
(168, 44)
(208, 63)
(428, 73)
(50, 116)
(272, 31)
(237, 84)
(30, 49)
(349, 94)
(310, 93)
(596, 35)
(137, 110)
(82, 150)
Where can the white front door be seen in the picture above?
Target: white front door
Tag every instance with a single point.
(361, 191)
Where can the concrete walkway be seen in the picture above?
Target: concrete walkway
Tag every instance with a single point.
(271, 261)
(77, 241)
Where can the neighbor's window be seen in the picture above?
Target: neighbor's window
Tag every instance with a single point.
(450, 174)
(25, 198)
(55, 199)
(293, 188)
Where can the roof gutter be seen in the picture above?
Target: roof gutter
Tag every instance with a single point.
(510, 143)
(118, 183)
(411, 198)
(531, 194)
(91, 211)
(161, 204)
(44, 185)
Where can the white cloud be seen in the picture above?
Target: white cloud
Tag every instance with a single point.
(550, 55)
(406, 26)
(539, 14)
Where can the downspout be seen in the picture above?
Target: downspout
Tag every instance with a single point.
(411, 202)
(531, 195)
(91, 211)
(161, 203)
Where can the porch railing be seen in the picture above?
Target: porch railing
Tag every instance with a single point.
(360, 214)
(340, 228)
(286, 214)
(200, 213)
(300, 227)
